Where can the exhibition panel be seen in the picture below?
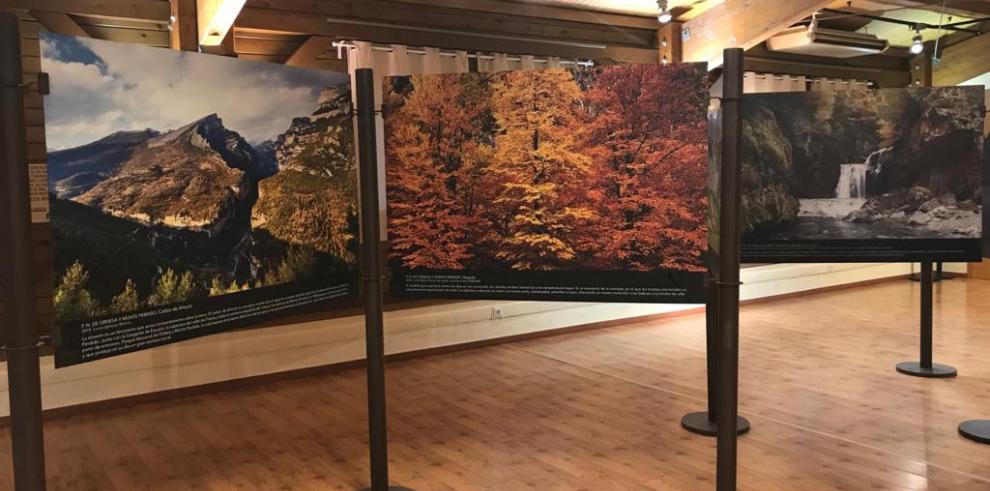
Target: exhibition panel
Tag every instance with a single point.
(864, 175)
(309, 190)
(557, 184)
(192, 194)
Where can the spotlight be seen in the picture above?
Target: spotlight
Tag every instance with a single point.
(665, 15)
(917, 46)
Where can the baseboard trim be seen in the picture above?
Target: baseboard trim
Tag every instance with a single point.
(163, 395)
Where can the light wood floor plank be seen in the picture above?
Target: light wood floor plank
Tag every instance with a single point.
(594, 410)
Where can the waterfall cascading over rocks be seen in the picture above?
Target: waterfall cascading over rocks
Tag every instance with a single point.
(852, 182)
(850, 195)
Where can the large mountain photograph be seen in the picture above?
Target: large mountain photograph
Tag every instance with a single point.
(176, 177)
(863, 164)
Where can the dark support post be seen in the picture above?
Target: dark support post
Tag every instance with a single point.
(371, 266)
(704, 422)
(727, 403)
(939, 274)
(373, 274)
(926, 368)
(23, 371)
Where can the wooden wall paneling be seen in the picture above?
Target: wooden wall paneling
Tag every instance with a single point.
(268, 46)
(307, 53)
(112, 9)
(152, 37)
(59, 22)
(263, 58)
(963, 61)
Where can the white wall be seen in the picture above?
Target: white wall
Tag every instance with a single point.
(247, 353)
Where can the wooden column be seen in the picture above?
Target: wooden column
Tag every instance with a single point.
(671, 44)
(185, 30)
(921, 70)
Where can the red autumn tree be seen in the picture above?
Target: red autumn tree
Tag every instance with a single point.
(646, 135)
(437, 156)
(537, 158)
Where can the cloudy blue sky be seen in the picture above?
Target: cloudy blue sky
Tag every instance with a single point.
(99, 87)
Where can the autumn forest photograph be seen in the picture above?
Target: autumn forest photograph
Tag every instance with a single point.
(600, 169)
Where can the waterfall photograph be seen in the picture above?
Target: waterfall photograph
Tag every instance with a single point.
(863, 164)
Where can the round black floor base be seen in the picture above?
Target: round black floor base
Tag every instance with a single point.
(392, 488)
(699, 423)
(915, 369)
(977, 430)
(936, 279)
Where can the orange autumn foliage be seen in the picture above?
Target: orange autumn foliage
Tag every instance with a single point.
(598, 169)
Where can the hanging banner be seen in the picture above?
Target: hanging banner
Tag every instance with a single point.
(557, 184)
(192, 194)
(861, 175)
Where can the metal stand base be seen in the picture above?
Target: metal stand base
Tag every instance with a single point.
(392, 488)
(977, 430)
(937, 370)
(701, 424)
(937, 279)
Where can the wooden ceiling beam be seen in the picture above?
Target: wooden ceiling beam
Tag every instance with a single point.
(507, 22)
(298, 23)
(59, 23)
(155, 10)
(215, 18)
(545, 12)
(307, 54)
(962, 61)
(886, 71)
(885, 78)
(227, 46)
(981, 7)
(736, 23)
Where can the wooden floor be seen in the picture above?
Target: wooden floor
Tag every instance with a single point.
(596, 410)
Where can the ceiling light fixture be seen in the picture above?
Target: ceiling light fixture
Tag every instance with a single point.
(917, 45)
(665, 15)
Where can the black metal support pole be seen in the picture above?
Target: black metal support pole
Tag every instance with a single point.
(704, 422)
(728, 285)
(711, 345)
(927, 312)
(925, 367)
(23, 371)
(372, 273)
(940, 273)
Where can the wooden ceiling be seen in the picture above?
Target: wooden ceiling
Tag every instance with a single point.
(301, 32)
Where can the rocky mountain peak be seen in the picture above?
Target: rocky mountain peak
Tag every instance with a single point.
(123, 137)
(209, 133)
(334, 101)
(320, 132)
